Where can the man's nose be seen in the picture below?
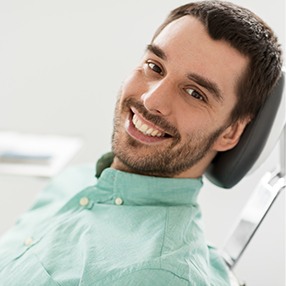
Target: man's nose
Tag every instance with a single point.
(158, 98)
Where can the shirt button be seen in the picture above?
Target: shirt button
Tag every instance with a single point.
(118, 201)
(84, 201)
(28, 241)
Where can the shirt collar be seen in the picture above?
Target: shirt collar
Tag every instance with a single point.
(137, 189)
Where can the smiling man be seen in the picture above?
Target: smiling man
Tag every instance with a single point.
(204, 76)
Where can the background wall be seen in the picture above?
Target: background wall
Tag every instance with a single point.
(61, 65)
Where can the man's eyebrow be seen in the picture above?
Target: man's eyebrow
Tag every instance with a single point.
(157, 51)
(207, 84)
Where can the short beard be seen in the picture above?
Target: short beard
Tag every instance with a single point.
(170, 162)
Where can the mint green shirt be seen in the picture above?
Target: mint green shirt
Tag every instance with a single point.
(124, 229)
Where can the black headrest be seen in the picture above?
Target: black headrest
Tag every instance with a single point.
(229, 167)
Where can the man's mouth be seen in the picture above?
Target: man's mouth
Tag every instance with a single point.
(145, 128)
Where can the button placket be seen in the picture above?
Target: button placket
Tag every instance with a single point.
(116, 192)
(86, 202)
(28, 241)
(118, 201)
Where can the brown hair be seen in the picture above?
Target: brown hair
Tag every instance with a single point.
(253, 38)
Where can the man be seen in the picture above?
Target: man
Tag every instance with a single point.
(203, 78)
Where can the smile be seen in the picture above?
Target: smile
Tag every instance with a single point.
(145, 128)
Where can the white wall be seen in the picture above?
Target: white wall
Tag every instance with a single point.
(61, 65)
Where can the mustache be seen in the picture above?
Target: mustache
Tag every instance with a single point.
(155, 119)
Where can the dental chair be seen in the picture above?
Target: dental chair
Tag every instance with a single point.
(228, 168)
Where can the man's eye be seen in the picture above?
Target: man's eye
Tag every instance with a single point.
(155, 68)
(195, 94)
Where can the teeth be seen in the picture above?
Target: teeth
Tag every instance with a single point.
(144, 128)
(149, 131)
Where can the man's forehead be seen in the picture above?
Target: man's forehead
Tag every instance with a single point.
(175, 29)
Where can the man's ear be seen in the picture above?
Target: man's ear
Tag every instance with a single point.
(231, 135)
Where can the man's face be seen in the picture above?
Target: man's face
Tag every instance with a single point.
(173, 111)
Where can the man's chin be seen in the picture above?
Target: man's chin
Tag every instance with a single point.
(138, 158)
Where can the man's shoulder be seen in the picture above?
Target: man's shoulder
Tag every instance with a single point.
(77, 176)
(66, 184)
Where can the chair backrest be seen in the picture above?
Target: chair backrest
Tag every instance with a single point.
(228, 168)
